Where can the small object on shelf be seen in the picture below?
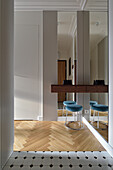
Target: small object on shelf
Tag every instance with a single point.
(72, 66)
(99, 82)
(67, 82)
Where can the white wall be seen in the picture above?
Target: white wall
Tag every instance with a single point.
(110, 73)
(94, 70)
(65, 55)
(6, 80)
(50, 64)
(94, 64)
(103, 68)
(28, 67)
(99, 68)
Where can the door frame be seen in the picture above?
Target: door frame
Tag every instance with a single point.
(65, 72)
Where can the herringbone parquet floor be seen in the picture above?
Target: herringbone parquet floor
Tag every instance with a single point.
(52, 136)
(102, 125)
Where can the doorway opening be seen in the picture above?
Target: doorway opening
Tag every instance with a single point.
(31, 132)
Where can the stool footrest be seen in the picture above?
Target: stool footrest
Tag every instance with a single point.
(70, 122)
(95, 126)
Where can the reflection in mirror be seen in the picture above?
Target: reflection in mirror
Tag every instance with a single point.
(66, 25)
(99, 71)
(67, 61)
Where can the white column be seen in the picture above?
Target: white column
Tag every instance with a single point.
(86, 59)
(49, 65)
(111, 72)
(6, 80)
(80, 52)
(83, 58)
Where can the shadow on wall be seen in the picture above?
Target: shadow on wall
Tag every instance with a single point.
(99, 68)
(27, 98)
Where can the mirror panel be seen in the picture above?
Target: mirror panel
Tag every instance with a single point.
(99, 68)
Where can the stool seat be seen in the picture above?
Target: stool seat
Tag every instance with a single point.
(65, 103)
(74, 108)
(92, 103)
(100, 107)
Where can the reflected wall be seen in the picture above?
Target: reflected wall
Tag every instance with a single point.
(99, 67)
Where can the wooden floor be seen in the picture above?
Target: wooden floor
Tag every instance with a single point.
(102, 125)
(52, 136)
(103, 130)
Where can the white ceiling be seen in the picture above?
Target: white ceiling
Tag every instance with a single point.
(98, 5)
(67, 24)
(67, 19)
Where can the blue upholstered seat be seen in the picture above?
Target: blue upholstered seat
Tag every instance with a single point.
(74, 108)
(99, 107)
(65, 103)
(92, 103)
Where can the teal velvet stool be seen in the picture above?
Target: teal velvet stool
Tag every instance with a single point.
(99, 108)
(91, 103)
(65, 103)
(76, 110)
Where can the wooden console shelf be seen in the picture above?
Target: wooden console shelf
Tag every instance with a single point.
(79, 88)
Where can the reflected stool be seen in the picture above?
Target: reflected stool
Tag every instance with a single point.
(66, 103)
(99, 108)
(77, 111)
(91, 103)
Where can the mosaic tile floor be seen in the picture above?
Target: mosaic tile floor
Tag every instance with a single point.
(55, 160)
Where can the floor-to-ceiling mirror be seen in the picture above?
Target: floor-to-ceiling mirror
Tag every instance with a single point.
(98, 49)
(66, 53)
(69, 59)
(99, 69)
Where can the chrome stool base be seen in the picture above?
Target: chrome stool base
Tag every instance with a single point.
(76, 115)
(93, 121)
(70, 122)
(95, 126)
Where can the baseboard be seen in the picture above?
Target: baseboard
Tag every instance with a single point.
(101, 118)
(103, 142)
(23, 119)
(63, 118)
(40, 118)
